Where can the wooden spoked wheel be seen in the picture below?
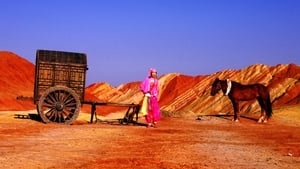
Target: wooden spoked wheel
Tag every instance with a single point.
(59, 104)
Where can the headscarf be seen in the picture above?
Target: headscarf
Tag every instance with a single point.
(151, 70)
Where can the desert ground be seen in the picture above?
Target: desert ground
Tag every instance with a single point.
(208, 142)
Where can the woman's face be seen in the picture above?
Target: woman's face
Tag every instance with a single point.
(153, 74)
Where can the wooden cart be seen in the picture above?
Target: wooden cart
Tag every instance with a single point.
(60, 85)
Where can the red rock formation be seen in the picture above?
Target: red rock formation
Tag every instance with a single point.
(180, 95)
(16, 79)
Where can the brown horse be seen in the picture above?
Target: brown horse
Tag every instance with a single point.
(238, 92)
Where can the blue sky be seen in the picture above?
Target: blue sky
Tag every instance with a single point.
(124, 38)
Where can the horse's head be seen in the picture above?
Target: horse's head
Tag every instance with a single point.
(216, 87)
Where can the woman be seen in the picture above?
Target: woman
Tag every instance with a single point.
(149, 87)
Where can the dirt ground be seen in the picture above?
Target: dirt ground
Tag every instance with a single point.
(210, 143)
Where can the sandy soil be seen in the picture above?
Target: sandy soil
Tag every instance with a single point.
(210, 143)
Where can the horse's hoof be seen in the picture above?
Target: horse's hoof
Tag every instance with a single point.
(261, 119)
(235, 120)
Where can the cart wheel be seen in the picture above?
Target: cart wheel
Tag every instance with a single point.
(59, 104)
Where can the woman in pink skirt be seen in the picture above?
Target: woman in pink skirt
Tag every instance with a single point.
(149, 87)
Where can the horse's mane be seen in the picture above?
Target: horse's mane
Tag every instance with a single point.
(237, 83)
(240, 84)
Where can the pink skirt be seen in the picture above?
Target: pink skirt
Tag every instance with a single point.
(153, 112)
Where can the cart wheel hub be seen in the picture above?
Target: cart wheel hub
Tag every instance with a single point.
(59, 107)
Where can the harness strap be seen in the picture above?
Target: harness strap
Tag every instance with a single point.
(228, 87)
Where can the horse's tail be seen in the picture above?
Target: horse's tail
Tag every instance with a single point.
(269, 107)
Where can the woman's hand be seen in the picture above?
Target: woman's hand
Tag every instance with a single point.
(148, 95)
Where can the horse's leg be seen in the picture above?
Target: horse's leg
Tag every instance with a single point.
(262, 117)
(264, 108)
(262, 105)
(236, 110)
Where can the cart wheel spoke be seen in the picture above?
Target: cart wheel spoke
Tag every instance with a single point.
(60, 117)
(70, 104)
(47, 105)
(51, 98)
(53, 116)
(48, 101)
(67, 114)
(67, 97)
(61, 95)
(49, 114)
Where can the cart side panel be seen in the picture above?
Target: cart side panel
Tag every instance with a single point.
(59, 68)
(43, 79)
(77, 80)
